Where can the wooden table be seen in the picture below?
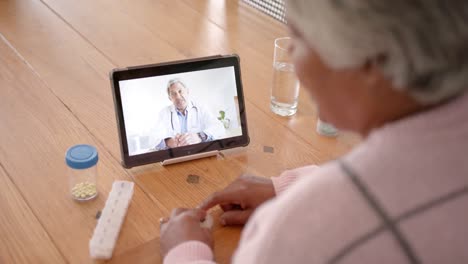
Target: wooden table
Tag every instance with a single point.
(55, 56)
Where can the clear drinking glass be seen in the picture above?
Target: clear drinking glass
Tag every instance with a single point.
(285, 86)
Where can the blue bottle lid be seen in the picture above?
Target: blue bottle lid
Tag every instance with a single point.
(81, 156)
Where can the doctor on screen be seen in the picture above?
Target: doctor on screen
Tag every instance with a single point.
(184, 122)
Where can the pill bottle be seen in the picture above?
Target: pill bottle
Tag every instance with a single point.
(326, 129)
(82, 171)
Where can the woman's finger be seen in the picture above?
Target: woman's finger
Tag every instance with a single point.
(177, 211)
(163, 220)
(198, 214)
(230, 195)
(236, 217)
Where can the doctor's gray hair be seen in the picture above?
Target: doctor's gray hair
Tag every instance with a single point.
(174, 81)
(420, 45)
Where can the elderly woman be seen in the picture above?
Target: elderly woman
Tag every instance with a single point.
(396, 72)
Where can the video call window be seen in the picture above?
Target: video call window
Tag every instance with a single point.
(180, 109)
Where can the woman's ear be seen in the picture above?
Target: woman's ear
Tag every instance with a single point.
(375, 62)
(372, 70)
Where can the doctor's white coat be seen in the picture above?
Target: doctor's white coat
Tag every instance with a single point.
(199, 119)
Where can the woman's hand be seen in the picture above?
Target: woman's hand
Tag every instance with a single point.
(182, 226)
(240, 198)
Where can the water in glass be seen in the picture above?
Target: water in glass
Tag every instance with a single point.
(285, 89)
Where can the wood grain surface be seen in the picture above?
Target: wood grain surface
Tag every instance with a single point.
(55, 56)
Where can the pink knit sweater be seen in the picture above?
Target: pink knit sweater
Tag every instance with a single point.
(401, 196)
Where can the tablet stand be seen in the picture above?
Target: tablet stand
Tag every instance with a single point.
(191, 157)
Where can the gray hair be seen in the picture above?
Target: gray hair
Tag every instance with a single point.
(424, 43)
(174, 81)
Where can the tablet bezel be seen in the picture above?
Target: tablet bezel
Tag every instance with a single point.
(181, 66)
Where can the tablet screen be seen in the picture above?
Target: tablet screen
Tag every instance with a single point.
(180, 109)
(168, 111)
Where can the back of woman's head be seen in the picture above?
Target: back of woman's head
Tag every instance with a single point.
(420, 45)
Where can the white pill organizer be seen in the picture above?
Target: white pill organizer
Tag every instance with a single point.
(108, 227)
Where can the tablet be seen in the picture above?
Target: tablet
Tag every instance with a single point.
(179, 109)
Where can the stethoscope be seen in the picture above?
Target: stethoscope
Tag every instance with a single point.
(175, 112)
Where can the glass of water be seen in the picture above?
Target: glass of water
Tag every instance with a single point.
(285, 86)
